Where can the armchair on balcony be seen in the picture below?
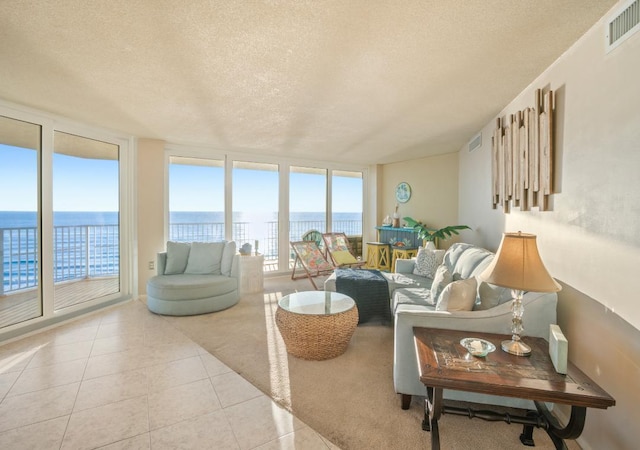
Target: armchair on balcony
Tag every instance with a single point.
(311, 259)
(339, 251)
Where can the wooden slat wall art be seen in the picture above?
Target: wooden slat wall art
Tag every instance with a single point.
(496, 140)
(522, 157)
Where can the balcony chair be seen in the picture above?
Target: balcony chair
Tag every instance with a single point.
(339, 251)
(312, 261)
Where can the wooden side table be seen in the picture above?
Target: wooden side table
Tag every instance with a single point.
(402, 253)
(251, 269)
(445, 364)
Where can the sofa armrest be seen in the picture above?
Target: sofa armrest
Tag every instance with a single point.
(405, 265)
(540, 312)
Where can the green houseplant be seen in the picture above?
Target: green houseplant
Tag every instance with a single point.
(432, 234)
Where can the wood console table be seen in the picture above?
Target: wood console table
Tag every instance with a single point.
(445, 364)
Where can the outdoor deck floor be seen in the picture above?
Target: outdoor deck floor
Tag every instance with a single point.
(25, 304)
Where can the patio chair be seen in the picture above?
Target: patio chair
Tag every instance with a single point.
(339, 251)
(312, 261)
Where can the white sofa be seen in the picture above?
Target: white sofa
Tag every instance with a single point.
(195, 278)
(411, 306)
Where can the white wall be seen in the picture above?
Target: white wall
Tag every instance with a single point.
(590, 239)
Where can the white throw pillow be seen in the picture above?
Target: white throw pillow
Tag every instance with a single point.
(426, 263)
(177, 257)
(440, 280)
(205, 258)
(458, 296)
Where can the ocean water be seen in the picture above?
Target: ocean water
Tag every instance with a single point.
(87, 243)
(21, 219)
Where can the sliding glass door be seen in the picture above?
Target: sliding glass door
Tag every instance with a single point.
(86, 226)
(20, 287)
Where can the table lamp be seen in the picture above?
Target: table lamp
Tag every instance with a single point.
(518, 266)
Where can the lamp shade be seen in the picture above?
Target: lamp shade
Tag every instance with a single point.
(517, 265)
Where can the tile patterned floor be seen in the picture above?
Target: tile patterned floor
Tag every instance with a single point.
(123, 378)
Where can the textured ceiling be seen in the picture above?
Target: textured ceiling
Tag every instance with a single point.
(366, 81)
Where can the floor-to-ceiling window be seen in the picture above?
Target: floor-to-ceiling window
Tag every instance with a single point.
(196, 199)
(307, 201)
(86, 225)
(20, 293)
(259, 200)
(255, 196)
(346, 202)
(65, 228)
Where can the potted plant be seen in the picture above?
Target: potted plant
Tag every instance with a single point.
(432, 234)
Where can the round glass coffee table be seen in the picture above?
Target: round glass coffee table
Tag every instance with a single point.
(316, 325)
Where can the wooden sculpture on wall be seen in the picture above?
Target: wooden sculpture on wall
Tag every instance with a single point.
(522, 157)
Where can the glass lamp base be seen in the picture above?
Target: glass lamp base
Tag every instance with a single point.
(518, 348)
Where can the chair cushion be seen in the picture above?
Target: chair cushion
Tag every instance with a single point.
(177, 257)
(188, 286)
(343, 257)
(205, 258)
(458, 296)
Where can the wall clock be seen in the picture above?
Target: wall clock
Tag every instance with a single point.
(403, 192)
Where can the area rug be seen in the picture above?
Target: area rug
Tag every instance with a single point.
(350, 399)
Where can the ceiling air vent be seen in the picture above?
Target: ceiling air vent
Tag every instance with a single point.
(623, 24)
(476, 142)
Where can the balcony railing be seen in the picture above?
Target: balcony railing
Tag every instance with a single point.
(79, 251)
(86, 251)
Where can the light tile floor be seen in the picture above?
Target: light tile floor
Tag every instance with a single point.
(124, 378)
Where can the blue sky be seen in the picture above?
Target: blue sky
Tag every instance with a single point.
(81, 184)
(257, 190)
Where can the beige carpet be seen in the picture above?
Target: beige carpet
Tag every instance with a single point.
(349, 399)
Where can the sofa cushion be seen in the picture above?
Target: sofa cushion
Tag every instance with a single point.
(205, 258)
(227, 258)
(442, 277)
(491, 296)
(467, 262)
(426, 263)
(189, 286)
(412, 296)
(405, 280)
(177, 257)
(458, 296)
(453, 253)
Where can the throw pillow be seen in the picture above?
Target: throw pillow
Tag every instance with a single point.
(491, 295)
(205, 258)
(458, 296)
(343, 257)
(426, 263)
(440, 280)
(177, 257)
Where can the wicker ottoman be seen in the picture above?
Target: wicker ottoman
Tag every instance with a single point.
(316, 325)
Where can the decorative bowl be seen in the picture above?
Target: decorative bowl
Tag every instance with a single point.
(477, 347)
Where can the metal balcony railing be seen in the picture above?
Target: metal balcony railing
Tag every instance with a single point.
(86, 251)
